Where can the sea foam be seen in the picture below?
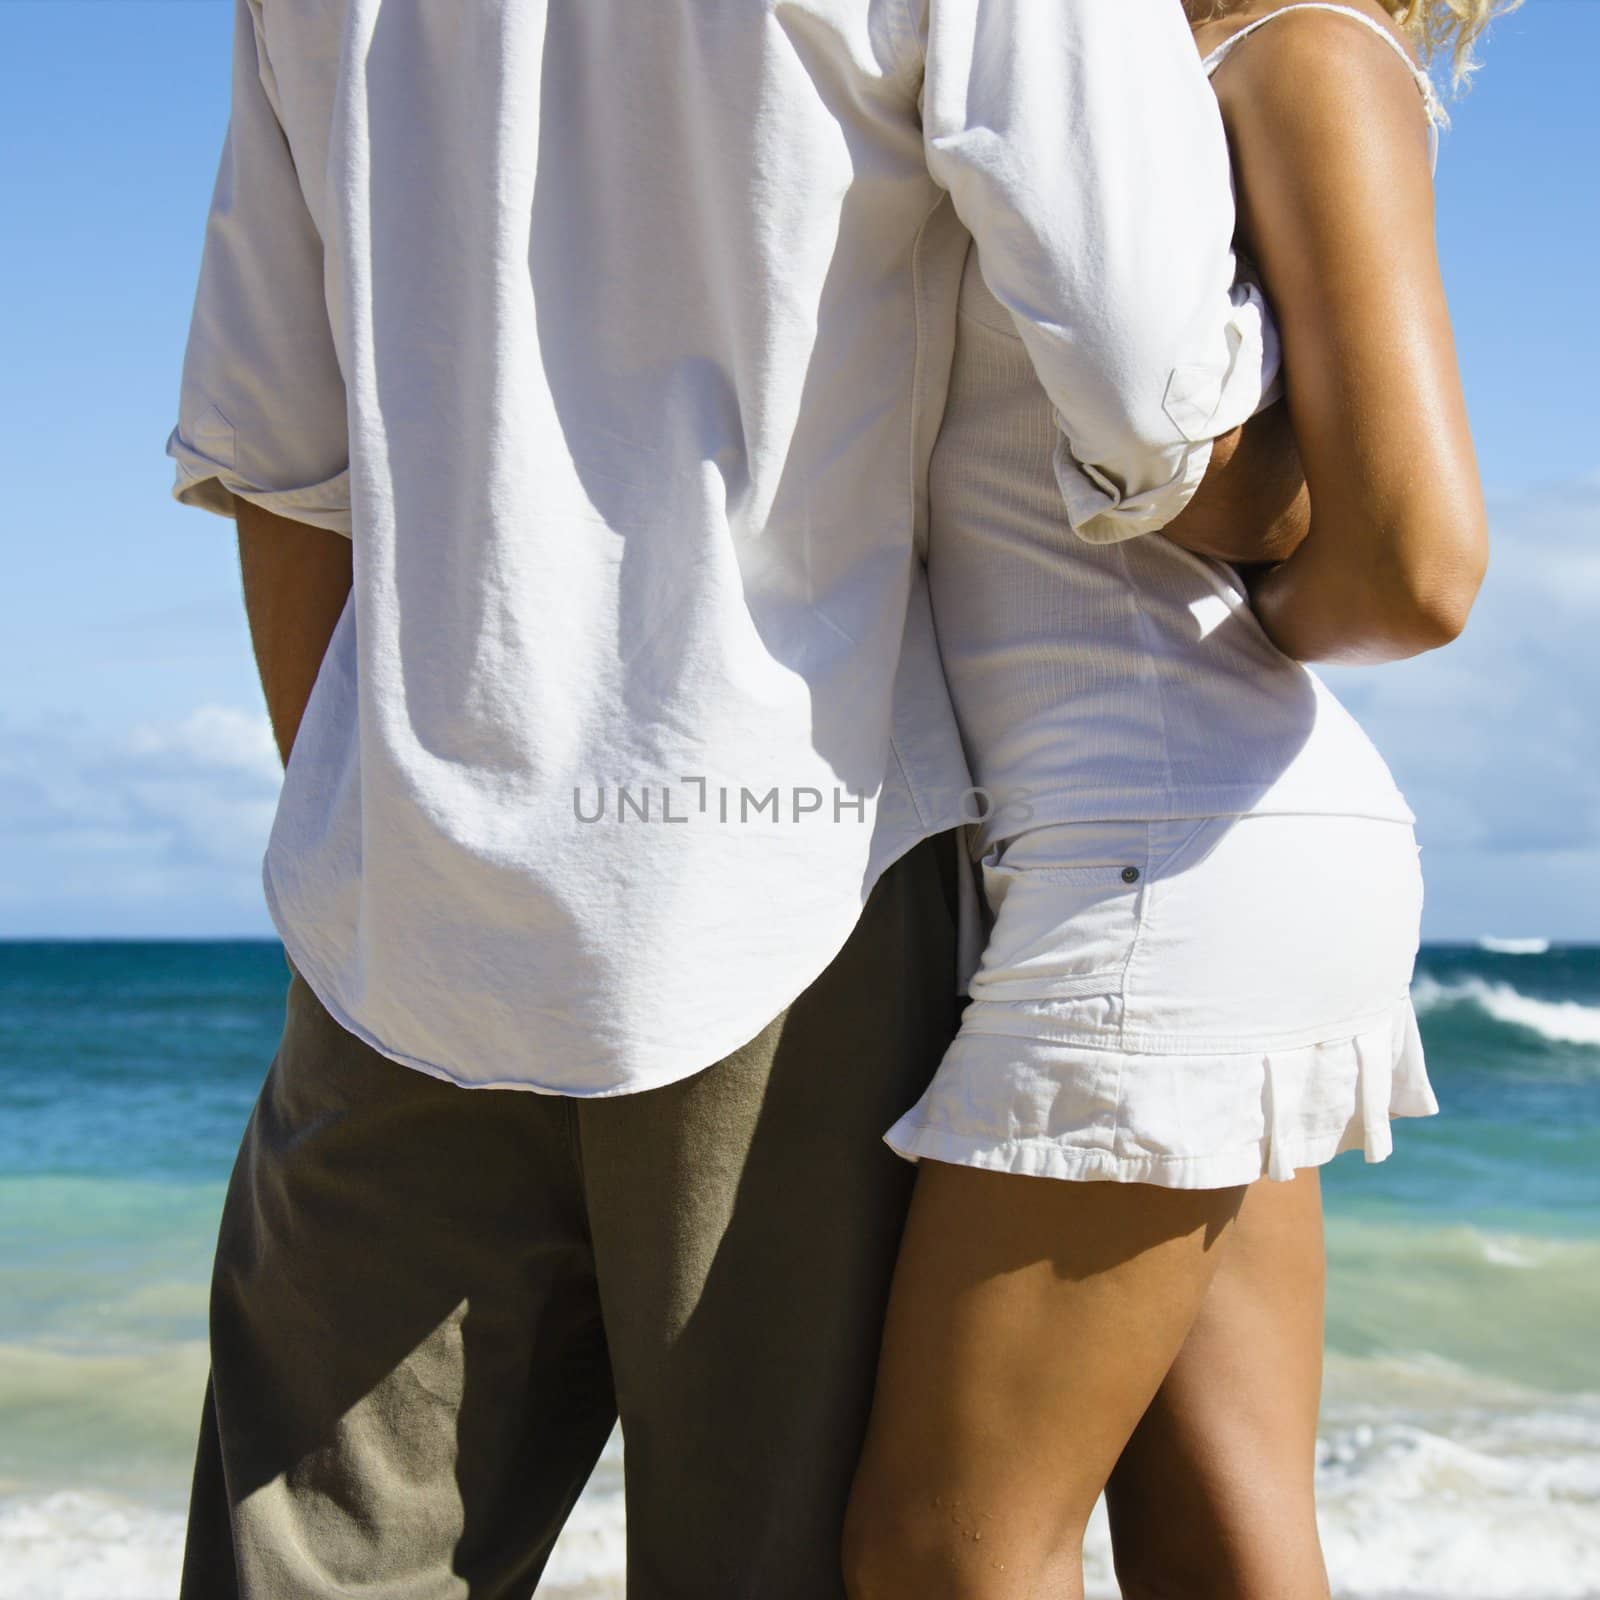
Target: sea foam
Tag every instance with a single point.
(1560, 1021)
(1510, 1511)
(87, 1546)
(1504, 1507)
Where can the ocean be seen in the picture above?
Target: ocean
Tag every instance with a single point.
(1460, 1451)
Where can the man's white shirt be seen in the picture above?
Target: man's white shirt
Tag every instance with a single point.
(615, 336)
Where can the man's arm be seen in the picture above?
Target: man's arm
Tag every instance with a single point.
(296, 581)
(1253, 508)
(1084, 150)
(261, 434)
(261, 409)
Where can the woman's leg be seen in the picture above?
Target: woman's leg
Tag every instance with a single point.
(1032, 1321)
(1213, 1495)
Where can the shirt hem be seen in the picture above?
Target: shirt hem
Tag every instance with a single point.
(219, 492)
(720, 1046)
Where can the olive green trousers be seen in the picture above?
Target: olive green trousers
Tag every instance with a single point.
(431, 1304)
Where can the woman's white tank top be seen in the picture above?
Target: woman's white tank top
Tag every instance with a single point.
(1121, 681)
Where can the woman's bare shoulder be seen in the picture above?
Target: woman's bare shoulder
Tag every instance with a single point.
(1318, 74)
(1319, 38)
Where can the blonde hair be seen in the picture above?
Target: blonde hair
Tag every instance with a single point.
(1435, 27)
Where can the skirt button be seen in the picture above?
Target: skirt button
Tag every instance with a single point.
(1130, 874)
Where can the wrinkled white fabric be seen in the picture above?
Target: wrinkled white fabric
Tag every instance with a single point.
(1094, 681)
(1194, 1003)
(615, 335)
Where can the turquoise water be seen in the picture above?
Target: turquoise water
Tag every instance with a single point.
(126, 1075)
(1461, 1440)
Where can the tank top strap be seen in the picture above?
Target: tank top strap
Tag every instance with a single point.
(1430, 95)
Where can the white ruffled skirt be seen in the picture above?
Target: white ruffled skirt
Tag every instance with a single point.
(1194, 1003)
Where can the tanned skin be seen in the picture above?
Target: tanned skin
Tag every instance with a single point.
(1253, 508)
(1336, 208)
(296, 581)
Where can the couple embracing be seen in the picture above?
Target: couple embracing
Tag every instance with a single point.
(799, 418)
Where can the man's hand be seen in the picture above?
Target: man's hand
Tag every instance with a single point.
(296, 582)
(1253, 506)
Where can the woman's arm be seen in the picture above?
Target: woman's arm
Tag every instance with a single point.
(1336, 204)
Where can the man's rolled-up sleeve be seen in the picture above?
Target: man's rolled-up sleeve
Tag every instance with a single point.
(261, 411)
(1082, 147)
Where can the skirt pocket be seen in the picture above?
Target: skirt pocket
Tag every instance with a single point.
(1086, 877)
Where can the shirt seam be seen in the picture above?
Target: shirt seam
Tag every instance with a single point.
(917, 472)
(915, 479)
(905, 778)
(1091, 806)
(1143, 623)
(1093, 1154)
(1119, 1040)
(912, 64)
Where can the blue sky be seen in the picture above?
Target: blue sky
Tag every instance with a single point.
(136, 777)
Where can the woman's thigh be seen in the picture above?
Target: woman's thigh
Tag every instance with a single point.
(1032, 1321)
(1214, 1492)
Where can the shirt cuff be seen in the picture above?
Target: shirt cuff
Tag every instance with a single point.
(214, 485)
(1202, 405)
(1102, 513)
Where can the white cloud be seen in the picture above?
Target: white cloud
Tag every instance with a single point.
(156, 830)
(212, 737)
(1496, 740)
